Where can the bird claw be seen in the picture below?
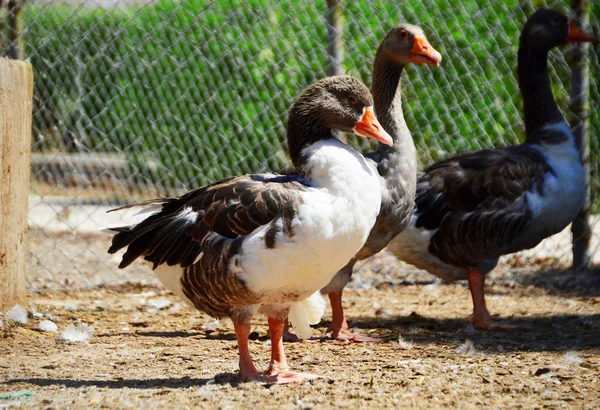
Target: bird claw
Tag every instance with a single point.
(281, 377)
(293, 338)
(345, 335)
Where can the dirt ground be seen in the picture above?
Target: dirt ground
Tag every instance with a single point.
(148, 350)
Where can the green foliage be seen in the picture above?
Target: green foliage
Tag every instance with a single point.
(194, 91)
(187, 90)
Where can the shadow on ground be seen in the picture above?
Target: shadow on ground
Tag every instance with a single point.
(172, 383)
(564, 282)
(531, 333)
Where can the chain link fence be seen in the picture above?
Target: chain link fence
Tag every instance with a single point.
(137, 99)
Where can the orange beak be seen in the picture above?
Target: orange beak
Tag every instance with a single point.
(370, 127)
(578, 36)
(423, 53)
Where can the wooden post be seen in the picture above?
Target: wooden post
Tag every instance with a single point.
(335, 37)
(580, 124)
(16, 101)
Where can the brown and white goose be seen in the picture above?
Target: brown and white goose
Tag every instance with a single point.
(267, 242)
(397, 164)
(474, 207)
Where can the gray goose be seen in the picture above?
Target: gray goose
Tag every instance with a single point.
(269, 242)
(474, 207)
(396, 164)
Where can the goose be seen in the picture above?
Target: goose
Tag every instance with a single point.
(396, 164)
(474, 207)
(268, 242)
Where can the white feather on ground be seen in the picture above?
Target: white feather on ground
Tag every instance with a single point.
(404, 344)
(572, 357)
(17, 314)
(77, 334)
(211, 324)
(467, 348)
(307, 312)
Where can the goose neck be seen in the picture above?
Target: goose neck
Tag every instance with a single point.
(387, 94)
(304, 130)
(398, 162)
(539, 106)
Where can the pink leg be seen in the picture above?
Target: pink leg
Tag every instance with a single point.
(247, 369)
(279, 371)
(481, 318)
(339, 326)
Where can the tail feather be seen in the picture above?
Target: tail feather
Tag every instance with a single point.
(127, 234)
(170, 235)
(159, 237)
(153, 205)
(307, 312)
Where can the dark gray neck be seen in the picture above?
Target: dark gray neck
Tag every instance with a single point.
(539, 106)
(303, 130)
(398, 163)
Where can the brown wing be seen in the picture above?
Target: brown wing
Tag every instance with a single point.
(231, 208)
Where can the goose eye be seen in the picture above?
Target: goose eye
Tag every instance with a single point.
(352, 100)
(557, 20)
(404, 34)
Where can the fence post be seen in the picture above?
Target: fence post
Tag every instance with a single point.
(335, 39)
(16, 101)
(580, 122)
(14, 29)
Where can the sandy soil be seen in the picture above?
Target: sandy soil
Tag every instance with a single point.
(149, 350)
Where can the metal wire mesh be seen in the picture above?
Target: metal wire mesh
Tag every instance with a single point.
(137, 99)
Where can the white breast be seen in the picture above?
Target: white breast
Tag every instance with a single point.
(332, 224)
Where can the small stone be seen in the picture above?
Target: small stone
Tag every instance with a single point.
(48, 326)
(175, 308)
(17, 314)
(383, 312)
(159, 303)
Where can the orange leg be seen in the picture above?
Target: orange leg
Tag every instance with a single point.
(279, 371)
(247, 369)
(481, 318)
(339, 326)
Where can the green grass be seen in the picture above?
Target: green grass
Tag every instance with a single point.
(194, 91)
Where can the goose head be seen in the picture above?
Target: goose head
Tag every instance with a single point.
(544, 30)
(547, 28)
(339, 103)
(405, 44)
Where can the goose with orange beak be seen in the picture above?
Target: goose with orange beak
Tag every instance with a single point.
(474, 207)
(396, 163)
(267, 242)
